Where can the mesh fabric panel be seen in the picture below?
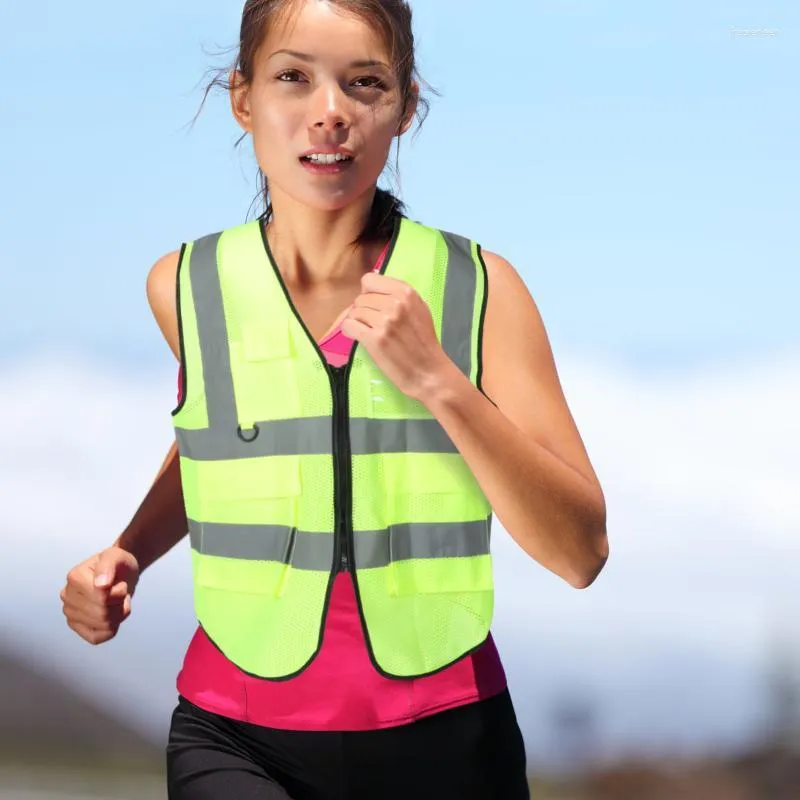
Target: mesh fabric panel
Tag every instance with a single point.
(265, 616)
(420, 614)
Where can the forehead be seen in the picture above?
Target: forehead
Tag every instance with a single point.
(322, 28)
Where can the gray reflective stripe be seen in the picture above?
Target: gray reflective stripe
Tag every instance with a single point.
(307, 436)
(398, 436)
(212, 333)
(312, 436)
(421, 540)
(459, 302)
(314, 551)
(310, 551)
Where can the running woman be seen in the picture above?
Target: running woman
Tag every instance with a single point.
(359, 395)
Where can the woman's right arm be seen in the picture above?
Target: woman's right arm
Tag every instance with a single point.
(160, 522)
(98, 592)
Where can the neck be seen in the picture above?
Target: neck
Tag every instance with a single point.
(313, 247)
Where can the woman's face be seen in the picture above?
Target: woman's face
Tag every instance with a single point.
(323, 107)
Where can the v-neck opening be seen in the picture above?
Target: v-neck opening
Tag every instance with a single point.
(279, 276)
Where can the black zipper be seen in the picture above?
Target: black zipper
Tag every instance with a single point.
(343, 488)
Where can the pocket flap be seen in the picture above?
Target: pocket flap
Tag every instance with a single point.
(251, 479)
(266, 341)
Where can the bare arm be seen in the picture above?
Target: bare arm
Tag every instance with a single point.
(97, 595)
(525, 450)
(160, 522)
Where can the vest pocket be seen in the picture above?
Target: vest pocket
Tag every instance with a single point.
(240, 577)
(230, 490)
(247, 538)
(455, 561)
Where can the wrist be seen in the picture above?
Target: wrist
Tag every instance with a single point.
(441, 386)
(127, 541)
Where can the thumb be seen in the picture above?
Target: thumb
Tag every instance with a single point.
(105, 570)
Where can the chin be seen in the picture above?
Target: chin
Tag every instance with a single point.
(331, 201)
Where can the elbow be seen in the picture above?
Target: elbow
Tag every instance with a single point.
(593, 559)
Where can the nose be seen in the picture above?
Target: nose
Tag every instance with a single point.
(330, 110)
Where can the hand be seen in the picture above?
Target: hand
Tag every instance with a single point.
(97, 597)
(395, 325)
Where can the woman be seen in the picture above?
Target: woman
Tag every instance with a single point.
(358, 395)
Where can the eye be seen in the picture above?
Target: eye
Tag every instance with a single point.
(290, 76)
(369, 82)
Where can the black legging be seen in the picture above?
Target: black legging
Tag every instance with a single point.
(474, 752)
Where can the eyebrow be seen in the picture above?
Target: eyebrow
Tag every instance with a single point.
(306, 57)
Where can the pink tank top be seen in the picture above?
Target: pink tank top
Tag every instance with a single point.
(340, 690)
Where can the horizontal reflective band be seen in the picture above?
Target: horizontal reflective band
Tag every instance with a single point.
(314, 551)
(313, 436)
(306, 437)
(368, 436)
(311, 551)
(421, 540)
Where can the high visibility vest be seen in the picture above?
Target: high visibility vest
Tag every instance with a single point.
(294, 470)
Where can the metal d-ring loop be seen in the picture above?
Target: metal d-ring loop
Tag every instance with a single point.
(240, 434)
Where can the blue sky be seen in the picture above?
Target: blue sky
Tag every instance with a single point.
(636, 162)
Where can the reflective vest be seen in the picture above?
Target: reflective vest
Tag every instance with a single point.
(294, 470)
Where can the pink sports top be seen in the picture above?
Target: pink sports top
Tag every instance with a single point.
(340, 690)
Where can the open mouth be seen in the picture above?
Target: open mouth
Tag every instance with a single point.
(324, 159)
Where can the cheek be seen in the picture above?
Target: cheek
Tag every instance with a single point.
(274, 135)
(380, 127)
(275, 123)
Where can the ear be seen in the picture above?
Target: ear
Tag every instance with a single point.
(411, 109)
(240, 101)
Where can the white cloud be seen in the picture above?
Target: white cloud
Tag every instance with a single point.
(700, 472)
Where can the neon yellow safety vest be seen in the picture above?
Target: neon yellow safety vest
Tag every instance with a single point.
(294, 470)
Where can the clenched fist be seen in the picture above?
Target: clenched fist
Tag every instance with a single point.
(97, 596)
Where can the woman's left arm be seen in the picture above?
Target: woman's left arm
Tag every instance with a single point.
(525, 452)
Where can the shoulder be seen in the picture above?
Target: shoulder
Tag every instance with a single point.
(161, 280)
(502, 275)
(161, 295)
(514, 333)
(510, 306)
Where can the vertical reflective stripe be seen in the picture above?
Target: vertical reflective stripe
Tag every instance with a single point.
(212, 333)
(459, 302)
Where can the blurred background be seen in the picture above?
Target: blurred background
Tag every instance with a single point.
(638, 164)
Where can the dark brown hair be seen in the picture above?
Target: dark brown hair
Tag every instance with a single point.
(392, 19)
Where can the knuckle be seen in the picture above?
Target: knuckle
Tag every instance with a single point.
(97, 637)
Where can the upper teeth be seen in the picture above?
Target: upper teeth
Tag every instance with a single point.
(328, 158)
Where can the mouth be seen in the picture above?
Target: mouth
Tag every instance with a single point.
(326, 163)
(326, 158)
